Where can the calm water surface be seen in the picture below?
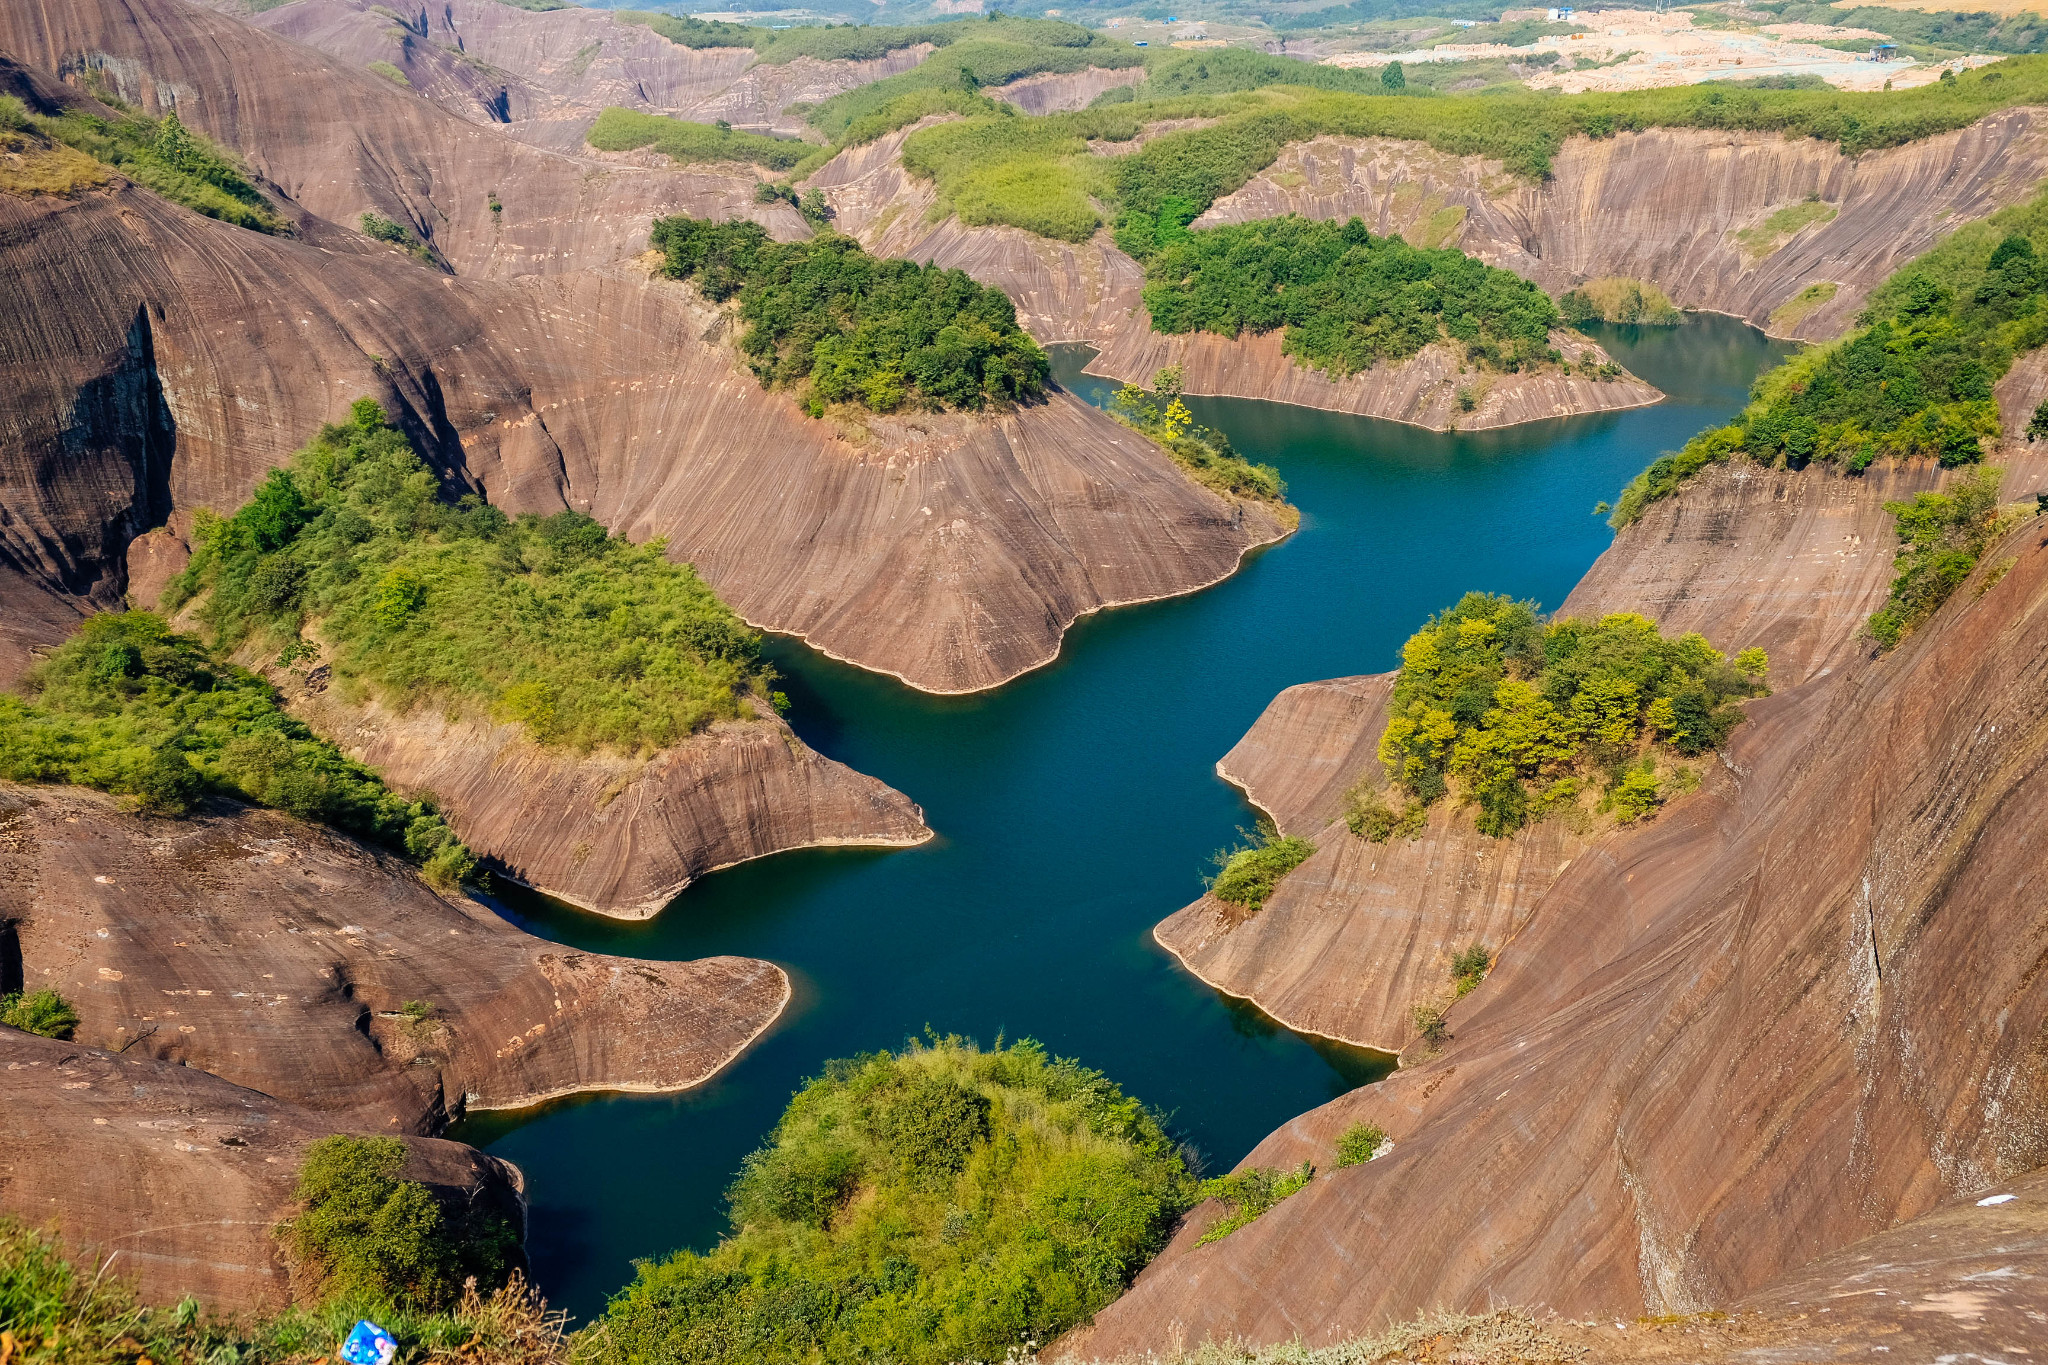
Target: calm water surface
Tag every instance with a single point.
(1079, 805)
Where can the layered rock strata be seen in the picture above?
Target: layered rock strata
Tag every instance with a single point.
(338, 139)
(621, 835)
(1689, 210)
(1798, 1009)
(291, 960)
(201, 1169)
(546, 76)
(1063, 92)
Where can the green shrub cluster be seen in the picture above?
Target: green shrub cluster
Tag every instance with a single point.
(1519, 712)
(1032, 173)
(1347, 299)
(1246, 876)
(840, 326)
(1358, 1144)
(127, 706)
(43, 1013)
(1203, 451)
(56, 1313)
(165, 156)
(940, 1204)
(1941, 538)
(625, 130)
(1469, 966)
(1248, 1193)
(548, 622)
(1914, 379)
(379, 228)
(364, 1234)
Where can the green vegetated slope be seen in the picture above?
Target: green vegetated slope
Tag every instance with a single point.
(1347, 299)
(353, 555)
(627, 130)
(1955, 31)
(1521, 718)
(836, 325)
(993, 174)
(158, 154)
(1915, 379)
(941, 1204)
(128, 706)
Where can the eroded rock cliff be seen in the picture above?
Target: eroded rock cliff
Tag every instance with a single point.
(1801, 1006)
(282, 957)
(203, 1169)
(1691, 211)
(620, 835)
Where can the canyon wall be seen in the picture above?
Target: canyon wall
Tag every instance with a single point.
(1685, 209)
(281, 956)
(197, 1171)
(1801, 1006)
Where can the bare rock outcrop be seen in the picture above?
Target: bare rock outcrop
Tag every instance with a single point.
(280, 956)
(1800, 1008)
(199, 1170)
(1424, 390)
(547, 75)
(952, 551)
(615, 834)
(1063, 92)
(1685, 209)
(340, 139)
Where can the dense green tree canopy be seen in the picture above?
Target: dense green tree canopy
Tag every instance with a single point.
(939, 1205)
(840, 326)
(1347, 299)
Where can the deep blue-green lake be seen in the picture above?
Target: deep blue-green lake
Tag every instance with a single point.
(1079, 805)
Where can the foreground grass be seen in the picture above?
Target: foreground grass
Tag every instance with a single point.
(941, 1204)
(582, 638)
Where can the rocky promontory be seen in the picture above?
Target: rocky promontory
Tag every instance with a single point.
(294, 961)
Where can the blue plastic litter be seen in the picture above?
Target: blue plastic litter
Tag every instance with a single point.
(369, 1344)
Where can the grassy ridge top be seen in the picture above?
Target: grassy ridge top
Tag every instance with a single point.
(1038, 175)
(628, 130)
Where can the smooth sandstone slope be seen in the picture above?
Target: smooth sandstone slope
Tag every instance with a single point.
(1670, 206)
(340, 140)
(204, 1169)
(279, 956)
(547, 75)
(620, 835)
(1800, 1008)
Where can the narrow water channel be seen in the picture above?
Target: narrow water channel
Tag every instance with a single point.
(1079, 805)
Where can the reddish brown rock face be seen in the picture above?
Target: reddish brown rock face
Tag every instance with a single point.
(280, 957)
(1799, 1007)
(622, 835)
(200, 1169)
